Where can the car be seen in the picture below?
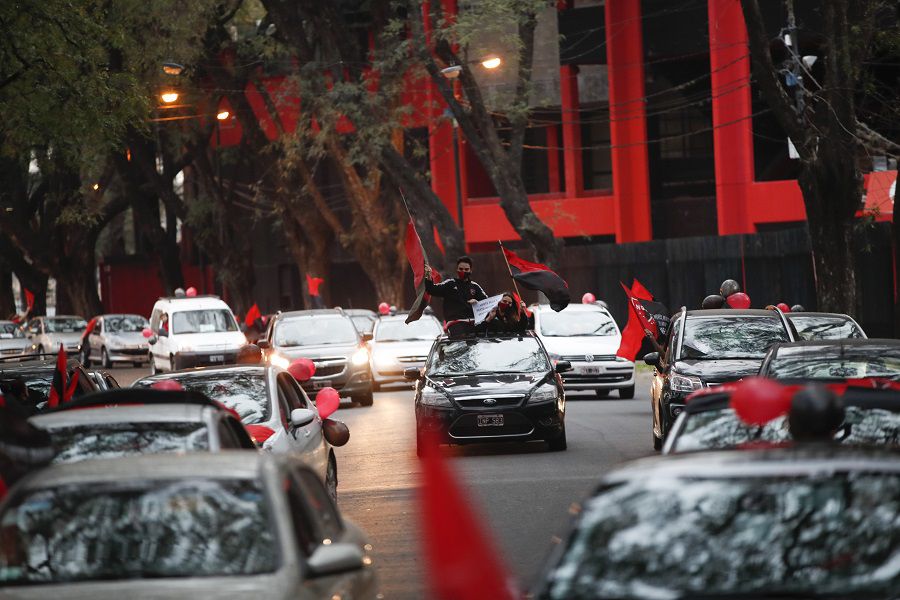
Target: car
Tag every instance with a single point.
(872, 418)
(328, 338)
(117, 339)
(363, 319)
(13, 341)
(271, 405)
(192, 332)
(824, 326)
(800, 522)
(141, 421)
(29, 379)
(707, 348)
(833, 360)
(396, 346)
(489, 388)
(47, 333)
(586, 335)
(230, 524)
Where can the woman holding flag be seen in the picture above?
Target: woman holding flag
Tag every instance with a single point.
(509, 316)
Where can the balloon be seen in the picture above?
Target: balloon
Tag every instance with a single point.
(327, 401)
(302, 369)
(191, 292)
(588, 298)
(167, 385)
(783, 307)
(756, 401)
(729, 287)
(713, 301)
(147, 332)
(336, 432)
(179, 293)
(738, 300)
(798, 308)
(384, 308)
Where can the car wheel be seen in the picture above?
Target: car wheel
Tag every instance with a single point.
(657, 442)
(104, 359)
(558, 443)
(626, 393)
(602, 393)
(331, 478)
(363, 399)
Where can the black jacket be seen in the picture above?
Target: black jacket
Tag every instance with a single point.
(456, 294)
(503, 324)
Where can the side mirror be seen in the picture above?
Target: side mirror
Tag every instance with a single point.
(563, 366)
(412, 374)
(302, 416)
(652, 359)
(367, 337)
(262, 344)
(334, 559)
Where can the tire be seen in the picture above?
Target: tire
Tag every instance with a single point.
(104, 359)
(602, 393)
(657, 442)
(331, 478)
(626, 393)
(364, 399)
(558, 444)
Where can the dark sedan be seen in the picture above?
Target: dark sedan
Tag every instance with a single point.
(484, 389)
(833, 360)
(29, 380)
(825, 326)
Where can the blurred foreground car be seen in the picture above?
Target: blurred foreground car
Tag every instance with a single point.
(397, 346)
(117, 338)
(30, 379)
(12, 340)
(833, 360)
(802, 522)
(825, 326)
(47, 333)
(226, 525)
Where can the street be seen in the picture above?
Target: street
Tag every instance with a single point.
(523, 491)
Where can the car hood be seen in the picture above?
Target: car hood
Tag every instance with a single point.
(495, 383)
(598, 345)
(395, 349)
(719, 371)
(314, 352)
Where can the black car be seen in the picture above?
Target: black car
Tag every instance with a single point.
(482, 389)
(35, 375)
(799, 522)
(825, 326)
(833, 360)
(708, 348)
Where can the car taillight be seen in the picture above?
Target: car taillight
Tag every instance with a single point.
(259, 433)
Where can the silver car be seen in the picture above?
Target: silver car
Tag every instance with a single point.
(205, 525)
(47, 333)
(116, 339)
(12, 340)
(396, 346)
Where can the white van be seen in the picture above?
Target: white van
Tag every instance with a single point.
(192, 332)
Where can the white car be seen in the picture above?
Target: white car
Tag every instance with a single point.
(587, 336)
(396, 346)
(192, 332)
(117, 338)
(12, 340)
(47, 333)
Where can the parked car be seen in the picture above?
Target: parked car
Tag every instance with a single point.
(13, 341)
(800, 522)
(824, 326)
(271, 405)
(29, 380)
(132, 421)
(708, 348)
(397, 346)
(201, 525)
(586, 336)
(115, 339)
(363, 319)
(47, 333)
(483, 389)
(192, 332)
(328, 338)
(833, 360)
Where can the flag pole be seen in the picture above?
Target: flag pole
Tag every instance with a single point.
(515, 285)
(413, 221)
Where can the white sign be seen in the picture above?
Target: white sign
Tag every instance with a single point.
(483, 307)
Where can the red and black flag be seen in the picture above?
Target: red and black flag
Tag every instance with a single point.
(415, 254)
(60, 392)
(252, 315)
(646, 318)
(540, 278)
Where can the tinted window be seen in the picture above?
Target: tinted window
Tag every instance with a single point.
(577, 323)
(515, 355)
(829, 362)
(110, 440)
(244, 392)
(730, 337)
(324, 513)
(315, 331)
(124, 324)
(722, 429)
(10, 330)
(396, 330)
(152, 529)
(203, 321)
(814, 327)
(833, 534)
(64, 325)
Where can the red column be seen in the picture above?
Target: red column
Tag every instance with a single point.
(628, 127)
(729, 63)
(571, 130)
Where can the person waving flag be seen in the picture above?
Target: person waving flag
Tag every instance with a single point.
(415, 254)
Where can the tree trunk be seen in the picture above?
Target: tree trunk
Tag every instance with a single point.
(7, 301)
(36, 283)
(77, 289)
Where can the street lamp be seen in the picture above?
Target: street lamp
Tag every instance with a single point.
(491, 63)
(172, 68)
(169, 97)
(222, 115)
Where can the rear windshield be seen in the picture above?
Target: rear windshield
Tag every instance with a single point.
(836, 362)
(723, 337)
(112, 440)
(245, 393)
(823, 327)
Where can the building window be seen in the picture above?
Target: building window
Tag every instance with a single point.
(596, 154)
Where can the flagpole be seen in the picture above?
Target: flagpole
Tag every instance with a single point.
(515, 285)
(413, 221)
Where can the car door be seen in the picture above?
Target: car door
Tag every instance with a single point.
(307, 440)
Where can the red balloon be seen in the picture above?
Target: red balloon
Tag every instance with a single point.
(588, 298)
(302, 369)
(147, 332)
(167, 385)
(191, 292)
(783, 307)
(384, 308)
(756, 401)
(327, 401)
(738, 300)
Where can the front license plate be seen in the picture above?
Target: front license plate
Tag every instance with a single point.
(318, 385)
(217, 358)
(589, 370)
(490, 420)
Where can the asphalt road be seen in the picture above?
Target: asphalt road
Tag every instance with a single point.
(522, 492)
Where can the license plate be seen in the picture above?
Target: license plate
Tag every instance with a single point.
(217, 358)
(589, 370)
(490, 420)
(318, 385)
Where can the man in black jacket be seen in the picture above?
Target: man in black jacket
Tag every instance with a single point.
(459, 295)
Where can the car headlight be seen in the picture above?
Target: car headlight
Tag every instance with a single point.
(279, 361)
(360, 357)
(683, 383)
(432, 397)
(545, 393)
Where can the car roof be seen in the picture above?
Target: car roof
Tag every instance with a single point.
(838, 343)
(32, 365)
(402, 317)
(732, 312)
(334, 312)
(482, 337)
(105, 315)
(795, 315)
(857, 396)
(261, 369)
(198, 302)
(541, 308)
(359, 312)
(48, 317)
(139, 396)
(155, 413)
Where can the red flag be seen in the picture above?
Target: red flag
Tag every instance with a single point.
(639, 291)
(415, 254)
(460, 560)
(519, 306)
(538, 277)
(313, 283)
(29, 300)
(645, 318)
(58, 386)
(252, 315)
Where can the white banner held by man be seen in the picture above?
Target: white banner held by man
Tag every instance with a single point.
(483, 307)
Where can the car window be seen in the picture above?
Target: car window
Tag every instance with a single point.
(246, 392)
(825, 327)
(673, 340)
(304, 527)
(313, 332)
(296, 392)
(227, 440)
(577, 324)
(322, 507)
(65, 325)
(835, 362)
(489, 355)
(711, 429)
(125, 324)
(112, 440)
(289, 391)
(397, 330)
(723, 337)
(10, 330)
(211, 320)
(240, 434)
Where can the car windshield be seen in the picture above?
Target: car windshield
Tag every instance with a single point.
(577, 324)
(831, 534)
(730, 337)
(425, 329)
(245, 393)
(717, 429)
(315, 331)
(822, 327)
(127, 323)
(65, 324)
(363, 323)
(203, 321)
(10, 330)
(111, 440)
(106, 531)
(490, 355)
(835, 362)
